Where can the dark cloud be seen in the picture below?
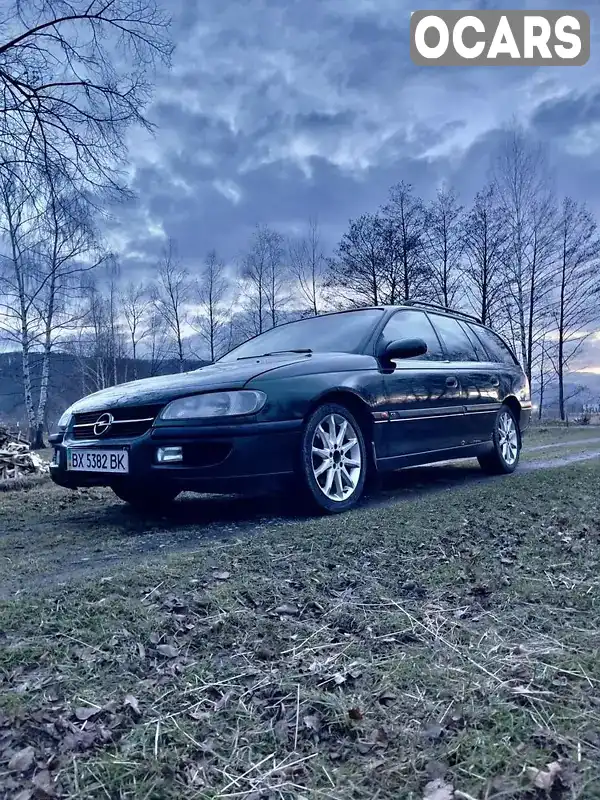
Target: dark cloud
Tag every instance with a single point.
(567, 114)
(280, 109)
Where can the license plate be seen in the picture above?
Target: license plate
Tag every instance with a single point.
(98, 461)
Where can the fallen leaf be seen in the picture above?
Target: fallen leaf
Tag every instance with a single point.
(133, 704)
(281, 731)
(438, 790)
(544, 779)
(168, 650)
(199, 715)
(86, 712)
(434, 732)
(355, 714)
(436, 769)
(141, 650)
(288, 609)
(22, 760)
(221, 576)
(312, 722)
(43, 783)
(387, 698)
(79, 741)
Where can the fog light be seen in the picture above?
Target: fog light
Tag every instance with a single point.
(169, 455)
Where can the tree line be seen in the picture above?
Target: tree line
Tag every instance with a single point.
(520, 259)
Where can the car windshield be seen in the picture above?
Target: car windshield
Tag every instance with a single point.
(331, 333)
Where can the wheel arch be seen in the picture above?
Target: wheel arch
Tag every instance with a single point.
(514, 405)
(355, 404)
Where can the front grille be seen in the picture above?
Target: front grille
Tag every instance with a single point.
(127, 423)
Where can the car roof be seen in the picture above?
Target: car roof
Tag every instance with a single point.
(425, 306)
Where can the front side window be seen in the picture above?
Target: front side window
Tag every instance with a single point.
(414, 325)
(331, 333)
(457, 343)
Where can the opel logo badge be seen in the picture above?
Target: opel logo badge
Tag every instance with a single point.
(103, 424)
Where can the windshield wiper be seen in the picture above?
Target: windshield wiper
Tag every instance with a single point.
(305, 351)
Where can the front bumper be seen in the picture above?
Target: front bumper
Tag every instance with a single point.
(224, 458)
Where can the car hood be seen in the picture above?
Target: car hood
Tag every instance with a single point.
(151, 391)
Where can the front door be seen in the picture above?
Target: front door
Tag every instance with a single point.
(424, 406)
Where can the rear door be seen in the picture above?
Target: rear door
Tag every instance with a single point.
(475, 376)
(423, 395)
(499, 372)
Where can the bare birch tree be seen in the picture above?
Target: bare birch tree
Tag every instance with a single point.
(277, 287)
(266, 280)
(67, 248)
(484, 241)
(215, 300)
(21, 321)
(575, 310)
(308, 264)
(136, 303)
(171, 297)
(158, 342)
(357, 275)
(443, 246)
(405, 211)
(523, 186)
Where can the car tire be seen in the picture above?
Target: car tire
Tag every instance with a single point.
(144, 498)
(334, 463)
(506, 438)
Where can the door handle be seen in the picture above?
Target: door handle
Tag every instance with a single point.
(452, 383)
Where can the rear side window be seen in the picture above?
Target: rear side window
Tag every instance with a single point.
(414, 325)
(478, 346)
(494, 345)
(458, 345)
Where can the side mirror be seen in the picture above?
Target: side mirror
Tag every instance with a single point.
(404, 348)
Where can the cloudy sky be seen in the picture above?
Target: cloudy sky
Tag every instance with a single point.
(276, 110)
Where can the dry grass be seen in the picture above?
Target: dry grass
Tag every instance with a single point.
(452, 637)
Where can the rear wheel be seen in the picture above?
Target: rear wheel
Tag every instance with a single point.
(333, 459)
(145, 498)
(507, 445)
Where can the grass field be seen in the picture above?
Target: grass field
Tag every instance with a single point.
(439, 645)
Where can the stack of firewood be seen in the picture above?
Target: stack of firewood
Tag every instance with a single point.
(16, 458)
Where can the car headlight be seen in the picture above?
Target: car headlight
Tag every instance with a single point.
(215, 404)
(64, 421)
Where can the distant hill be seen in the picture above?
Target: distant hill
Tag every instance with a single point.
(70, 379)
(581, 388)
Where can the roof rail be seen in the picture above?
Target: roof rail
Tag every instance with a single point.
(426, 304)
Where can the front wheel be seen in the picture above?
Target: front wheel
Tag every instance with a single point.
(507, 445)
(145, 498)
(333, 459)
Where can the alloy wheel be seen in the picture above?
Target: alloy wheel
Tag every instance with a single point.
(508, 438)
(336, 457)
